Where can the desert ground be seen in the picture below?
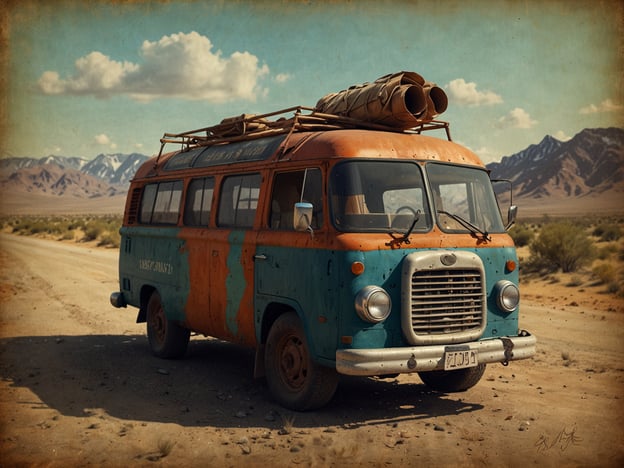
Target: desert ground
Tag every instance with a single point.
(79, 387)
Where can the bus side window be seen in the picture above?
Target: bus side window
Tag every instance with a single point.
(199, 201)
(287, 188)
(238, 200)
(147, 203)
(161, 203)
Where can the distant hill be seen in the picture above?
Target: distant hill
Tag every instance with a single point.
(591, 162)
(115, 169)
(584, 174)
(66, 184)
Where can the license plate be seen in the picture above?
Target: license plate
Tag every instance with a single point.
(460, 359)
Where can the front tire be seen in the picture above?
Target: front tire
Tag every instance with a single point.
(453, 381)
(295, 381)
(167, 339)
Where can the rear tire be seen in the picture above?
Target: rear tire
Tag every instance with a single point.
(295, 381)
(167, 339)
(453, 381)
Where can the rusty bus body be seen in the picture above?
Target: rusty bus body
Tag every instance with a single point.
(328, 248)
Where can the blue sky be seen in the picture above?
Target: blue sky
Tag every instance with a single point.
(90, 77)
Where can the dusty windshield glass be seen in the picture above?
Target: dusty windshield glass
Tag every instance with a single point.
(463, 199)
(379, 196)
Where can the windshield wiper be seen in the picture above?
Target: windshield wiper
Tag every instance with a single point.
(398, 240)
(467, 224)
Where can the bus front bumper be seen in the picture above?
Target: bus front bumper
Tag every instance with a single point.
(382, 361)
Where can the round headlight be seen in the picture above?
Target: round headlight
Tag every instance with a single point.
(507, 295)
(373, 304)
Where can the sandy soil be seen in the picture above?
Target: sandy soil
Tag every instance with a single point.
(80, 387)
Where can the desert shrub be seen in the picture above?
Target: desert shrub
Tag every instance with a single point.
(605, 272)
(67, 235)
(561, 245)
(109, 239)
(574, 282)
(606, 252)
(521, 234)
(607, 232)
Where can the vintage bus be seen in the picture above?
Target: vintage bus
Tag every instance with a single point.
(330, 246)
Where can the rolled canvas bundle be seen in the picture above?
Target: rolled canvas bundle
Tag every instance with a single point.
(401, 100)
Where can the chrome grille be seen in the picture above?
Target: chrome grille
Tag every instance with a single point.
(446, 301)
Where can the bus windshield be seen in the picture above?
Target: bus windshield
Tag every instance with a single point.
(379, 196)
(463, 199)
(390, 196)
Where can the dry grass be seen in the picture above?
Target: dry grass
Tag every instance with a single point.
(102, 229)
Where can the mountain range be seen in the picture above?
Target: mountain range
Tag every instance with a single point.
(591, 163)
(105, 175)
(582, 173)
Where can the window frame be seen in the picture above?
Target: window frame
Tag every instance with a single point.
(236, 212)
(165, 193)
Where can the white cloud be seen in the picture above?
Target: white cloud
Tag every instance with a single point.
(283, 77)
(487, 155)
(466, 94)
(180, 65)
(605, 106)
(562, 136)
(516, 118)
(102, 139)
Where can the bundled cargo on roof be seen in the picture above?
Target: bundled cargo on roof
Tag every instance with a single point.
(403, 100)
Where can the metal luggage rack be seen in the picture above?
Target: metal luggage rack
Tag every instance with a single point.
(252, 126)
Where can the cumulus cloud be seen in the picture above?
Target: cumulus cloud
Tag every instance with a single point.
(102, 139)
(180, 65)
(562, 136)
(488, 155)
(283, 77)
(516, 118)
(466, 94)
(605, 106)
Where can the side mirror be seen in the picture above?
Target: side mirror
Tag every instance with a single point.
(511, 216)
(302, 217)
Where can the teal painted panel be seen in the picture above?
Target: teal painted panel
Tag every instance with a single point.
(155, 257)
(320, 282)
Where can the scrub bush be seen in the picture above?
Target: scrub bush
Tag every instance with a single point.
(561, 245)
(607, 232)
(521, 234)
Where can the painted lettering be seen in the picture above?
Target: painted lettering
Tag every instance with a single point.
(156, 266)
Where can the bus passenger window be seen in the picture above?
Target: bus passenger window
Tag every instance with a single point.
(239, 200)
(287, 188)
(199, 202)
(147, 203)
(161, 203)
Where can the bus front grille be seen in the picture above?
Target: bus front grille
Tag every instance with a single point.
(444, 305)
(446, 301)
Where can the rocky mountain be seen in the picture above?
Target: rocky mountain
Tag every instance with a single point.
(13, 164)
(589, 164)
(51, 179)
(105, 175)
(115, 168)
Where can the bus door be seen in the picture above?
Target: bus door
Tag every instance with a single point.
(284, 259)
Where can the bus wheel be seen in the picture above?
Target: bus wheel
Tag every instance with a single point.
(167, 339)
(295, 381)
(453, 381)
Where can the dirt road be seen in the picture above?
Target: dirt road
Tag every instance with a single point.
(80, 387)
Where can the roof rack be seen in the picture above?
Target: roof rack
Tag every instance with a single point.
(293, 119)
